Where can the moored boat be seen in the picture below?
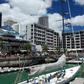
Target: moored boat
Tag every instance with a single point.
(57, 77)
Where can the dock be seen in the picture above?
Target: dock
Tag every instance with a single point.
(74, 62)
(11, 69)
(78, 81)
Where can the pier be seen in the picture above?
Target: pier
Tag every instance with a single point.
(74, 62)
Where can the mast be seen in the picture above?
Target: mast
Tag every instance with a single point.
(69, 25)
(73, 33)
(63, 23)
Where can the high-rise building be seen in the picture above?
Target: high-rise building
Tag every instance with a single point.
(43, 21)
(40, 35)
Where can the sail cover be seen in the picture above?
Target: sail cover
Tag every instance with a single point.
(40, 68)
(60, 63)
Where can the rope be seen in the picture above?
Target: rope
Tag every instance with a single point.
(19, 75)
(72, 28)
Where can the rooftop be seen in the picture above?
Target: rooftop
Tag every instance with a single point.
(8, 30)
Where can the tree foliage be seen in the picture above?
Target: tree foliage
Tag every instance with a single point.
(58, 50)
(45, 48)
(28, 46)
(1, 45)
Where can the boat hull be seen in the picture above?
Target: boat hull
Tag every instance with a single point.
(66, 79)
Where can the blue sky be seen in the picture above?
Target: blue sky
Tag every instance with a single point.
(76, 9)
(3, 1)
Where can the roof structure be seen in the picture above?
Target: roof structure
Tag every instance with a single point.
(8, 30)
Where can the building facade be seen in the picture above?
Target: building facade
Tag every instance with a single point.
(74, 41)
(41, 35)
(43, 21)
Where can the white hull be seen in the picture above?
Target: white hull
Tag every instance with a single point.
(69, 75)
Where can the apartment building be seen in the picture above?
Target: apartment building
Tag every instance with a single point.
(74, 40)
(39, 33)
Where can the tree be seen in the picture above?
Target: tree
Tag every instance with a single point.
(28, 47)
(1, 45)
(65, 50)
(58, 50)
(45, 48)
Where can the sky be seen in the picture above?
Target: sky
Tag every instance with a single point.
(28, 11)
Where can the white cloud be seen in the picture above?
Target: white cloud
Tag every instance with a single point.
(4, 8)
(16, 15)
(77, 20)
(25, 11)
(28, 11)
(33, 7)
(81, 2)
(55, 22)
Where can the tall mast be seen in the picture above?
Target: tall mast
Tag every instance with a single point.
(69, 25)
(72, 29)
(63, 23)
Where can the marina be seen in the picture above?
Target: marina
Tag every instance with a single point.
(9, 78)
(41, 42)
(56, 77)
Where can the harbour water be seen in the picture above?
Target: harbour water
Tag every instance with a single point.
(9, 78)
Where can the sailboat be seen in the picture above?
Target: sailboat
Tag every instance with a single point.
(55, 77)
(58, 77)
